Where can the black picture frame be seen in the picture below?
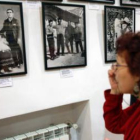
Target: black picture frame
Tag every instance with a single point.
(132, 99)
(12, 42)
(98, 1)
(64, 46)
(130, 3)
(117, 21)
(53, 0)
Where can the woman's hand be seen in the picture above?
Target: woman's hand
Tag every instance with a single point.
(113, 82)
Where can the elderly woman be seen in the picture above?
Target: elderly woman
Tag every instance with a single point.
(124, 77)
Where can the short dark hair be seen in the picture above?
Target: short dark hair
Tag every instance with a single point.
(10, 10)
(59, 18)
(50, 20)
(76, 23)
(129, 46)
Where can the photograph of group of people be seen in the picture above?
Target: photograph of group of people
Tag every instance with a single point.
(11, 46)
(64, 36)
(64, 32)
(118, 20)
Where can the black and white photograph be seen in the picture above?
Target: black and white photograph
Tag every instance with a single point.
(53, 0)
(130, 2)
(12, 48)
(118, 20)
(64, 35)
(98, 1)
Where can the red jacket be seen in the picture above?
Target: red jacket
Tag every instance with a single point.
(120, 121)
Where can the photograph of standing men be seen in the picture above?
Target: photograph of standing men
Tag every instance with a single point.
(64, 36)
(11, 55)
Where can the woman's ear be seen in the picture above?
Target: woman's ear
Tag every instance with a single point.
(138, 82)
(137, 79)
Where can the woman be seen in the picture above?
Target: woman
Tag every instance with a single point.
(124, 77)
(6, 60)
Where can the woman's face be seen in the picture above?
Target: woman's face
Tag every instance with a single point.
(124, 78)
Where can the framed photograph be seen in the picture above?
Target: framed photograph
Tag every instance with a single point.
(98, 1)
(64, 31)
(12, 44)
(118, 20)
(130, 2)
(53, 0)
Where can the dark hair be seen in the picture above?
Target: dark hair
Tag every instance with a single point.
(76, 22)
(10, 10)
(50, 20)
(129, 45)
(59, 18)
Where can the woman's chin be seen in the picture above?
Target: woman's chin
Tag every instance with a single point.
(125, 92)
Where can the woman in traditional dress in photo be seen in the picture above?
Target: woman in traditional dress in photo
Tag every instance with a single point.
(117, 27)
(6, 59)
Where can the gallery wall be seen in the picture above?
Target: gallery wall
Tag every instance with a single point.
(40, 89)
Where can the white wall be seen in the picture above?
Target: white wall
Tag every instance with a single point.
(40, 89)
(78, 113)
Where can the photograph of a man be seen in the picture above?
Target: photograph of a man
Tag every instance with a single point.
(60, 35)
(78, 37)
(11, 30)
(125, 22)
(69, 36)
(50, 37)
